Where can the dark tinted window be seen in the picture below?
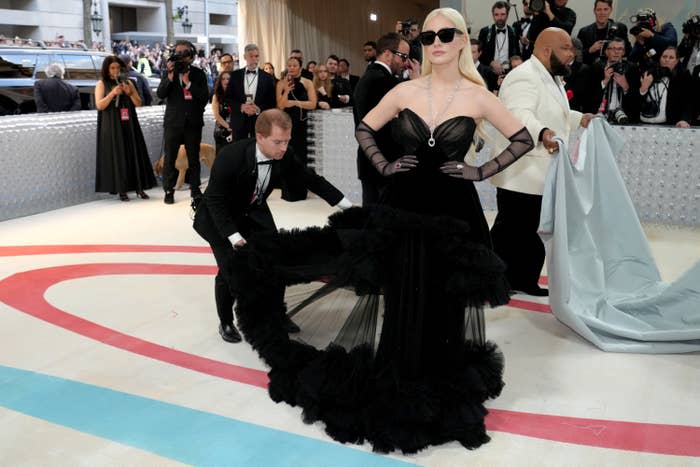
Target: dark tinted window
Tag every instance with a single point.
(79, 67)
(16, 65)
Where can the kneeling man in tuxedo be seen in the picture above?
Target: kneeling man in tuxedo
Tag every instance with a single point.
(234, 206)
(534, 93)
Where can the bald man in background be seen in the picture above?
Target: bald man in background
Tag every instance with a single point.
(535, 93)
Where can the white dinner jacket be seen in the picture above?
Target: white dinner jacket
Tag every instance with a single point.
(539, 101)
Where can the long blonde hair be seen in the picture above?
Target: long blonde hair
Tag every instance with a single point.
(327, 84)
(465, 61)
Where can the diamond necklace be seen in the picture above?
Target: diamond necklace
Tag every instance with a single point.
(431, 140)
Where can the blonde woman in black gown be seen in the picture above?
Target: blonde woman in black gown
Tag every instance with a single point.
(425, 248)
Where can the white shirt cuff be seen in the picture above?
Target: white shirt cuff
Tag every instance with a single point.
(235, 238)
(344, 204)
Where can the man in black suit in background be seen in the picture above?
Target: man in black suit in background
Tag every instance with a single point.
(234, 207)
(555, 15)
(185, 89)
(140, 81)
(344, 72)
(53, 94)
(595, 36)
(490, 78)
(249, 92)
(381, 76)
(498, 41)
(521, 28)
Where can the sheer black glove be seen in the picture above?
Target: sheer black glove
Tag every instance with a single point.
(365, 137)
(520, 144)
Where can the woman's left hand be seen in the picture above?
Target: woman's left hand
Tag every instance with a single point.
(456, 169)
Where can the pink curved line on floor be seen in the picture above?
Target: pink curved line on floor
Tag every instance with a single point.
(26, 250)
(25, 292)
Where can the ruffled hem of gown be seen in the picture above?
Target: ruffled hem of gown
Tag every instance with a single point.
(356, 397)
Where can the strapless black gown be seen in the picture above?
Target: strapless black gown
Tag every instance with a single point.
(427, 251)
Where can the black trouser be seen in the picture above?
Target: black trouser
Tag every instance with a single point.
(191, 138)
(515, 238)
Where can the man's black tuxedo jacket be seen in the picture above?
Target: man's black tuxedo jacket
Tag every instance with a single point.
(564, 18)
(226, 205)
(235, 96)
(179, 112)
(370, 89)
(518, 26)
(487, 37)
(55, 95)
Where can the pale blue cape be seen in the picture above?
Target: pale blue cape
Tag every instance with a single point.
(603, 281)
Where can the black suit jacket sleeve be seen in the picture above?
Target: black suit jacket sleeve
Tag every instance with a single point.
(293, 169)
(565, 19)
(41, 105)
(227, 196)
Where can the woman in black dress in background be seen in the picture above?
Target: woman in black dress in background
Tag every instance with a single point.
(296, 96)
(221, 110)
(122, 157)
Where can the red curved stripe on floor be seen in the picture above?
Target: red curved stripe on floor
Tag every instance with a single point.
(530, 306)
(25, 250)
(677, 440)
(25, 291)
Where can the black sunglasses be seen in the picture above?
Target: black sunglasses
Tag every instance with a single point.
(401, 55)
(446, 35)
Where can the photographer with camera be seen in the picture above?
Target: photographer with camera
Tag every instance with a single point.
(665, 92)
(550, 13)
(186, 92)
(410, 30)
(689, 48)
(596, 35)
(651, 38)
(498, 41)
(614, 86)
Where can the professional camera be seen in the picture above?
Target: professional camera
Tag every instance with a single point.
(621, 67)
(619, 116)
(692, 27)
(406, 27)
(658, 71)
(642, 20)
(537, 6)
(181, 66)
(612, 32)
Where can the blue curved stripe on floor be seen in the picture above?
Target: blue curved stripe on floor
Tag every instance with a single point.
(168, 430)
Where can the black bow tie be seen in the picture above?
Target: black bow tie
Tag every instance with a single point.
(251, 72)
(525, 20)
(267, 162)
(500, 31)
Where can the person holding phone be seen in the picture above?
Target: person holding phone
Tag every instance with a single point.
(122, 157)
(296, 96)
(250, 91)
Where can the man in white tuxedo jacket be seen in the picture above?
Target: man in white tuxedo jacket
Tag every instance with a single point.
(535, 93)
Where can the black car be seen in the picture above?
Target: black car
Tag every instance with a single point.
(21, 66)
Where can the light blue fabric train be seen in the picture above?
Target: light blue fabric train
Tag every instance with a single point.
(603, 280)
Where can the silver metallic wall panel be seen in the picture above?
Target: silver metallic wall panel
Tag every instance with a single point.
(660, 166)
(48, 160)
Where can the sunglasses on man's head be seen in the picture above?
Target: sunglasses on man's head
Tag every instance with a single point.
(445, 35)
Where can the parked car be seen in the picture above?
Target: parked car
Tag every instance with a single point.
(20, 67)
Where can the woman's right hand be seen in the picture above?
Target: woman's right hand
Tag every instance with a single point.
(402, 164)
(117, 90)
(646, 82)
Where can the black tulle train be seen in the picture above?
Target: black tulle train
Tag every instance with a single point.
(426, 380)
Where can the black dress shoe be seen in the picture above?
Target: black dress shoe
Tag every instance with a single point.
(535, 291)
(169, 197)
(229, 333)
(289, 325)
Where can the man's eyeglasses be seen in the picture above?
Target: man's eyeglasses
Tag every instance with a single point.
(226, 62)
(445, 35)
(401, 55)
